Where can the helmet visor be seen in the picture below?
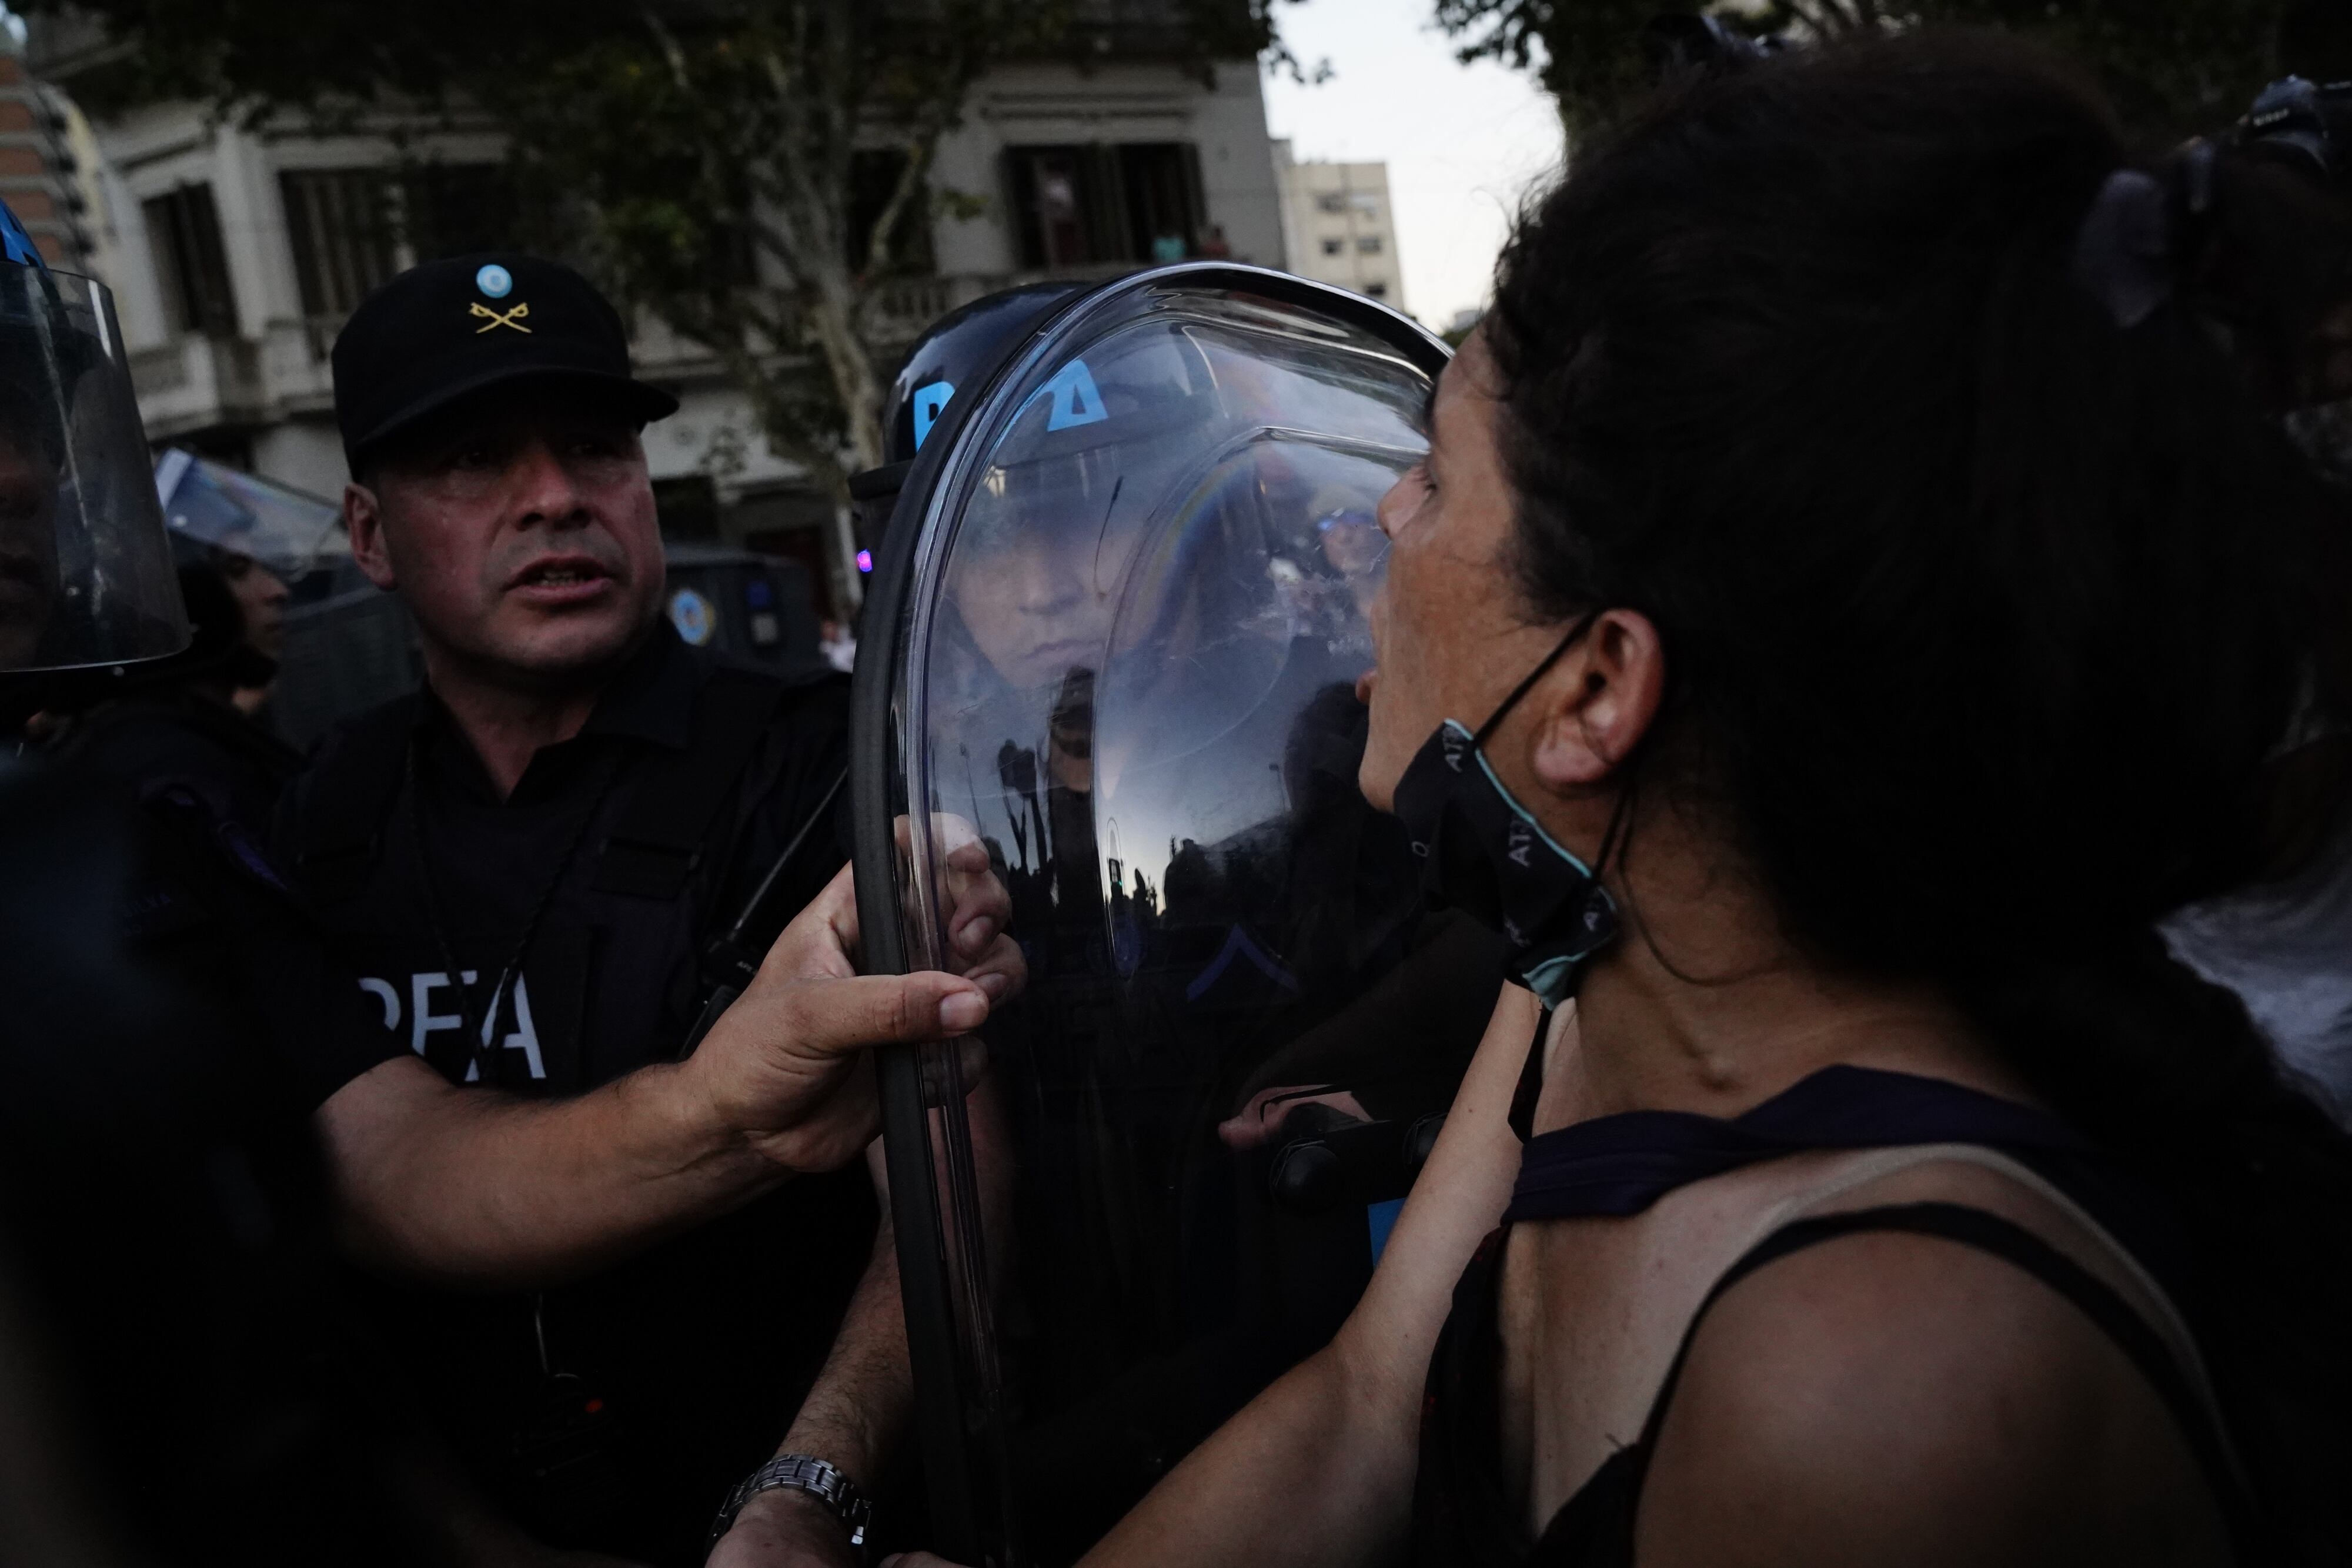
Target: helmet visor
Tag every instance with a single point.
(216, 506)
(86, 570)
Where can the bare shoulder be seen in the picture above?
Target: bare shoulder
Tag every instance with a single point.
(1887, 1396)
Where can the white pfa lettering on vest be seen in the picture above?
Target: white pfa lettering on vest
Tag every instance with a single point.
(381, 990)
(423, 1021)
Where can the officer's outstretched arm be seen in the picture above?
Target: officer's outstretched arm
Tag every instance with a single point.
(477, 1186)
(1319, 1468)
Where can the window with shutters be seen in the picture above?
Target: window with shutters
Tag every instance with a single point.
(1106, 203)
(340, 223)
(184, 235)
(353, 229)
(456, 209)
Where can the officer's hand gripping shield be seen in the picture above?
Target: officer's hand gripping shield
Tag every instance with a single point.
(1112, 645)
(86, 570)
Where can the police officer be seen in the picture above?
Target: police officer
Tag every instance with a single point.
(178, 720)
(526, 863)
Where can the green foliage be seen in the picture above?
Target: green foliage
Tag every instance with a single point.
(715, 161)
(2173, 66)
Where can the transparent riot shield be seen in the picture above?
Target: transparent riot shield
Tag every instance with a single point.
(1114, 640)
(214, 506)
(86, 570)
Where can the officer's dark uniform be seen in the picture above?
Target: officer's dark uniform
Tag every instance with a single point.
(146, 726)
(180, 1385)
(164, 1229)
(615, 1412)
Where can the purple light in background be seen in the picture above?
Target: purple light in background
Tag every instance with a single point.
(865, 560)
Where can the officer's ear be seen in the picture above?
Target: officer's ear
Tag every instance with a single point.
(364, 521)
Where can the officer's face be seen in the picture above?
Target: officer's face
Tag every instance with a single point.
(520, 527)
(1040, 571)
(29, 549)
(260, 598)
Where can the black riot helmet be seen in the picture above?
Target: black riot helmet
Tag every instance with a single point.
(1113, 635)
(953, 351)
(2305, 124)
(85, 570)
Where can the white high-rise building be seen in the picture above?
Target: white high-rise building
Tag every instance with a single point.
(1340, 225)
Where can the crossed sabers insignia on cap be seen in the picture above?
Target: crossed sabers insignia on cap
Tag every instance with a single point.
(500, 317)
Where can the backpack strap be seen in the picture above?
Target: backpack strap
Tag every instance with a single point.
(347, 800)
(659, 843)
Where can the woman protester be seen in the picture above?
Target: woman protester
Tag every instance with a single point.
(1862, 540)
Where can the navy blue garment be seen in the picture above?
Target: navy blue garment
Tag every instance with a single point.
(1612, 1167)
(1621, 1164)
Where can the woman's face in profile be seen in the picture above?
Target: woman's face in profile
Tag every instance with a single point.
(1444, 621)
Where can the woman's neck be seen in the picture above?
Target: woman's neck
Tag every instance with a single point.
(1701, 1006)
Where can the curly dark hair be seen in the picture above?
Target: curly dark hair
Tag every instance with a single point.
(1980, 610)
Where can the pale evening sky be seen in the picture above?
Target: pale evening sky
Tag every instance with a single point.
(1463, 143)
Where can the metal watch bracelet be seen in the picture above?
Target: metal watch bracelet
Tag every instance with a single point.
(800, 1472)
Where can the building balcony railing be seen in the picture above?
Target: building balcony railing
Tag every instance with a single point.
(202, 381)
(904, 307)
(198, 381)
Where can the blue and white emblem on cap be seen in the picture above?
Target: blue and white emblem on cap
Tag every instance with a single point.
(494, 281)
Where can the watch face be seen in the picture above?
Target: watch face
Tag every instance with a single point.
(1124, 666)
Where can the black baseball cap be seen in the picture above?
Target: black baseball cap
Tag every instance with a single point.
(440, 331)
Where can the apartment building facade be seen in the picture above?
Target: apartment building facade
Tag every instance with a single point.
(235, 255)
(1339, 225)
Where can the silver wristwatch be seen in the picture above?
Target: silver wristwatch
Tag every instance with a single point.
(801, 1473)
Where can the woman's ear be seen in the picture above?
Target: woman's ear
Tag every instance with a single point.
(1602, 697)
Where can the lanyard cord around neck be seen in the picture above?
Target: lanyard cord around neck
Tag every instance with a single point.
(485, 1054)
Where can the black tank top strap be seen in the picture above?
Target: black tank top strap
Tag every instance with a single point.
(1530, 1090)
(1461, 1516)
(1595, 1528)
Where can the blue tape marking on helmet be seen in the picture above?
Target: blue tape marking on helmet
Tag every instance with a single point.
(1076, 399)
(19, 245)
(929, 401)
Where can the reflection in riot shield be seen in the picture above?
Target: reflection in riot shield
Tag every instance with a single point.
(1124, 655)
